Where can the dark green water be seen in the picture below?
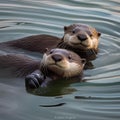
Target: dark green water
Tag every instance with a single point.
(96, 99)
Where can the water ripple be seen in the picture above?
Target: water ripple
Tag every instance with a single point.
(98, 97)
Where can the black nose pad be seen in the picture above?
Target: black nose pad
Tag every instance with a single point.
(82, 37)
(57, 58)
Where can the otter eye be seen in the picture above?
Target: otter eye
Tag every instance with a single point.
(69, 57)
(89, 33)
(51, 52)
(73, 31)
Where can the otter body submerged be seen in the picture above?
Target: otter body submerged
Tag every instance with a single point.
(55, 64)
(81, 39)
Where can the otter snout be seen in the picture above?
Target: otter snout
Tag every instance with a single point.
(57, 58)
(82, 37)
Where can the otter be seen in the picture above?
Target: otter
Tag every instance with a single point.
(56, 64)
(82, 39)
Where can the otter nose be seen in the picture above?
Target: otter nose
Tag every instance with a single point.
(57, 58)
(82, 37)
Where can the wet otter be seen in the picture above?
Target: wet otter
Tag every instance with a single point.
(55, 64)
(79, 38)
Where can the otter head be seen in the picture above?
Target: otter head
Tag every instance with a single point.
(82, 37)
(60, 63)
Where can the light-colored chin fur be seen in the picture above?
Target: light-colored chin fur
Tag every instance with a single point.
(72, 40)
(65, 68)
(73, 70)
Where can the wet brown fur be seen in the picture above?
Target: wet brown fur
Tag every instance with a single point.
(20, 64)
(23, 65)
(38, 43)
(35, 43)
(82, 51)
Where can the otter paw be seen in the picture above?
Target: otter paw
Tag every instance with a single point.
(32, 81)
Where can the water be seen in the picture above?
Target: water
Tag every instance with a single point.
(96, 99)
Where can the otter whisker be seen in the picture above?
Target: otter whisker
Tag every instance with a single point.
(89, 52)
(69, 74)
(45, 73)
(62, 45)
(94, 52)
(43, 68)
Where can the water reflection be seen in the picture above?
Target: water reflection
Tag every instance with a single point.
(55, 88)
(98, 98)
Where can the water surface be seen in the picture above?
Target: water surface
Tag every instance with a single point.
(96, 99)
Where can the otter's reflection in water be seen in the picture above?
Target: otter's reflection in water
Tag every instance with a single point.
(55, 88)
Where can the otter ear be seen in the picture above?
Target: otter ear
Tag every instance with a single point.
(46, 50)
(83, 61)
(65, 28)
(99, 34)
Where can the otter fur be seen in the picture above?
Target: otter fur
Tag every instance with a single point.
(55, 64)
(82, 39)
